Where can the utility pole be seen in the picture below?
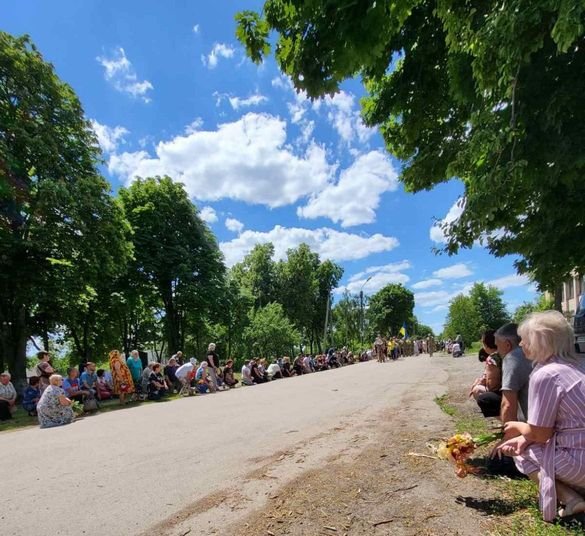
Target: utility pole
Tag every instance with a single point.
(362, 312)
(326, 319)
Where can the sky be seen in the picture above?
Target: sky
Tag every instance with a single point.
(170, 91)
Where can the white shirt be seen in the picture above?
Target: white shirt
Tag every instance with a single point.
(246, 373)
(273, 369)
(184, 370)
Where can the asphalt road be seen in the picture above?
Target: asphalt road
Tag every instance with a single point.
(122, 472)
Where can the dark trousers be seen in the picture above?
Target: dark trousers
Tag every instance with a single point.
(5, 413)
(489, 404)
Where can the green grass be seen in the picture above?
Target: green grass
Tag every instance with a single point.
(21, 419)
(473, 348)
(443, 402)
(516, 509)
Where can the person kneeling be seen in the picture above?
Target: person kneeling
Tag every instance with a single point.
(157, 387)
(228, 374)
(203, 382)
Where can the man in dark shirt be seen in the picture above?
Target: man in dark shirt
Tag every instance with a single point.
(172, 381)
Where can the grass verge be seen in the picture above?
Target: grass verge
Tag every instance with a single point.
(515, 511)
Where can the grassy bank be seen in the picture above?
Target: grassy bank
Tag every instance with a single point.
(515, 511)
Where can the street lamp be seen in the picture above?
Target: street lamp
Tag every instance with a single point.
(362, 311)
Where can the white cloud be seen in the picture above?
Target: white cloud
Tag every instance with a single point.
(328, 243)
(509, 281)
(247, 160)
(196, 28)
(120, 72)
(439, 308)
(386, 268)
(456, 271)
(433, 298)
(253, 100)
(436, 233)
(427, 283)
(346, 119)
(239, 102)
(234, 225)
(282, 82)
(108, 137)
(208, 214)
(353, 200)
(219, 50)
(374, 278)
(194, 126)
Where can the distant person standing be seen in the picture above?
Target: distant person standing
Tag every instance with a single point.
(430, 345)
(135, 365)
(44, 370)
(213, 364)
(459, 341)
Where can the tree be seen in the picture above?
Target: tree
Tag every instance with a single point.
(489, 306)
(346, 316)
(389, 309)
(463, 319)
(175, 252)
(328, 276)
(257, 274)
(270, 332)
(60, 231)
(489, 93)
(543, 303)
(423, 331)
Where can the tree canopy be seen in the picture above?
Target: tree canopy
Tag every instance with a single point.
(389, 309)
(482, 310)
(489, 93)
(61, 233)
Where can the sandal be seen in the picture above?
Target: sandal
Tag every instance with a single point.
(575, 507)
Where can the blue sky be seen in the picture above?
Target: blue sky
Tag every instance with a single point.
(170, 92)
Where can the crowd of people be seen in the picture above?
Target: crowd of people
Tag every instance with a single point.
(534, 383)
(55, 399)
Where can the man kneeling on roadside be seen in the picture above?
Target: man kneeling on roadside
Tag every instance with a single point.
(511, 404)
(516, 370)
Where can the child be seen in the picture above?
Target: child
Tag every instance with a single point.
(104, 390)
(31, 396)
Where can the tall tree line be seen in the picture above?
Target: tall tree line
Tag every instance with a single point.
(141, 269)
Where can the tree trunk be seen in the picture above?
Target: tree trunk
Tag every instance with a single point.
(13, 338)
(558, 298)
(172, 327)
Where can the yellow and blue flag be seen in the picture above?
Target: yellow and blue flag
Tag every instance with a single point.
(402, 332)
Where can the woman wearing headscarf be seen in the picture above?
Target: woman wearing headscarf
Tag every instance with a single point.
(550, 446)
(121, 377)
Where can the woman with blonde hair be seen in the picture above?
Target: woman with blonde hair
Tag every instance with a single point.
(54, 408)
(121, 376)
(550, 447)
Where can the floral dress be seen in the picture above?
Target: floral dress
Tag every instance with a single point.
(50, 411)
(121, 376)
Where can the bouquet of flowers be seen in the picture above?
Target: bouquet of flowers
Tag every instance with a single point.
(77, 408)
(459, 448)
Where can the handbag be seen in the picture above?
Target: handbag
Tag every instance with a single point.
(90, 404)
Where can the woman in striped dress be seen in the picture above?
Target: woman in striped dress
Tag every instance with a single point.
(550, 447)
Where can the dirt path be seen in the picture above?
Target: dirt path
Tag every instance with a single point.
(357, 478)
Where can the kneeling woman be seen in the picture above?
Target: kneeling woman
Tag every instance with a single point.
(54, 408)
(157, 387)
(550, 447)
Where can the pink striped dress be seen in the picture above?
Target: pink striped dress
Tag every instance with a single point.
(556, 399)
